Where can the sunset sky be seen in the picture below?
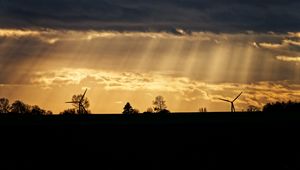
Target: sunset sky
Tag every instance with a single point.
(189, 51)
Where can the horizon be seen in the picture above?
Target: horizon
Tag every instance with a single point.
(190, 52)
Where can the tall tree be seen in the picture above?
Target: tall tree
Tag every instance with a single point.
(159, 104)
(4, 105)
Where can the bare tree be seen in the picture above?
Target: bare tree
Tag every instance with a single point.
(159, 104)
(4, 105)
(85, 103)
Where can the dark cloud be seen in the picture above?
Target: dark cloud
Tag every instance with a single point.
(154, 15)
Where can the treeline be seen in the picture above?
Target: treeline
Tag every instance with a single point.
(159, 107)
(19, 107)
(282, 107)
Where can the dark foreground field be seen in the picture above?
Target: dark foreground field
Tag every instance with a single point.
(183, 141)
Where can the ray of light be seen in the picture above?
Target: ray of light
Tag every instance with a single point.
(186, 56)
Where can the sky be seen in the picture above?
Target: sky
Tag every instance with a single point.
(189, 51)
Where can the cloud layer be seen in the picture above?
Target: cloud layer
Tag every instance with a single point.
(157, 15)
(205, 56)
(188, 90)
(191, 69)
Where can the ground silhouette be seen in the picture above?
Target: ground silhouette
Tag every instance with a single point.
(158, 139)
(179, 140)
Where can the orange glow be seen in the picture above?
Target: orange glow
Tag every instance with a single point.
(189, 70)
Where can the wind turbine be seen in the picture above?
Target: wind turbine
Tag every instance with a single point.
(232, 102)
(80, 104)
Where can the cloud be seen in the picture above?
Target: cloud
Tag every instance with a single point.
(18, 33)
(284, 44)
(294, 34)
(256, 94)
(205, 56)
(182, 93)
(288, 58)
(112, 80)
(271, 45)
(45, 36)
(52, 36)
(119, 102)
(159, 15)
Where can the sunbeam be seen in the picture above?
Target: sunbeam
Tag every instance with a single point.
(47, 67)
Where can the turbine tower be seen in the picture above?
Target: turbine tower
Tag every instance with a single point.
(81, 108)
(232, 102)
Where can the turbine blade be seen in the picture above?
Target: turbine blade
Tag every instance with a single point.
(71, 102)
(237, 97)
(83, 95)
(224, 100)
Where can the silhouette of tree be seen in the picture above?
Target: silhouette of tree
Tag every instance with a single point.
(85, 103)
(36, 110)
(159, 104)
(19, 107)
(4, 105)
(136, 111)
(49, 112)
(128, 109)
(149, 111)
(282, 107)
(68, 112)
(164, 112)
(252, 108)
